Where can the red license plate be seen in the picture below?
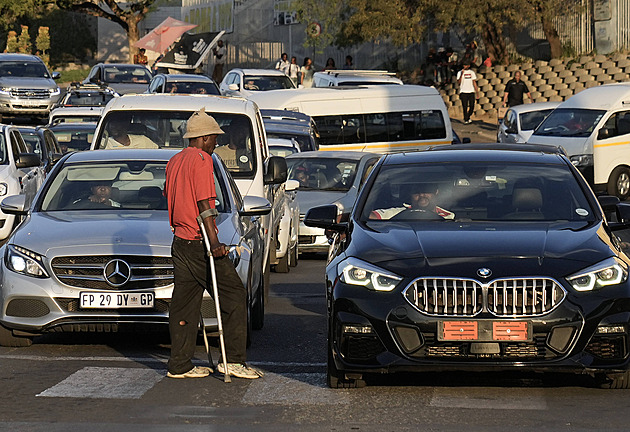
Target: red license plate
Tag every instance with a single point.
(510, 331)
(460, 330)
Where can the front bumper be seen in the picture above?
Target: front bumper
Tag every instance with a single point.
(390, 335)
(23, 106)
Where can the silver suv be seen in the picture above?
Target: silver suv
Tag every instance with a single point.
(26, 86)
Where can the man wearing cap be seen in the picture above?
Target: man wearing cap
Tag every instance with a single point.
(190, 192)
(420, 205)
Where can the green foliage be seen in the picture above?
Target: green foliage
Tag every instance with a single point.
(24, 41)
(73, 75)
(12, 42)
(42, 43)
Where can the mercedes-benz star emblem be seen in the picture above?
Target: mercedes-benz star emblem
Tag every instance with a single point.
(484, 272)
(117, 272)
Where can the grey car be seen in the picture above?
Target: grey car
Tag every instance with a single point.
(327, 177)
(26, 86)
(123, 78)
(82, 264)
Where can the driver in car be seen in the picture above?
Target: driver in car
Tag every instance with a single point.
(421, 200)
(101, 193)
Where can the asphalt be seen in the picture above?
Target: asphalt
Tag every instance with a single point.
(481, 130)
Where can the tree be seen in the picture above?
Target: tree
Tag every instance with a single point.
(12, 42)
(545, 11)
(42, 43)
(127, 15)
(24, 45)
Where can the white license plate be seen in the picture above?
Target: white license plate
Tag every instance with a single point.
(113, 300)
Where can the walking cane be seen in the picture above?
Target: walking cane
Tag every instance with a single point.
(215, 294)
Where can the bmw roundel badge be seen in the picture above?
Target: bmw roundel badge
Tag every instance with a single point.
(484, 272)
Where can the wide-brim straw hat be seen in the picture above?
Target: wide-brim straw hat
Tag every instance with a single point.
(201, 124)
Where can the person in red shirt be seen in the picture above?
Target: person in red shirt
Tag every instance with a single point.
(190, 192)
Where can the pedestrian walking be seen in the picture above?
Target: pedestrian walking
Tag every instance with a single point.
(283, 64)
(468, 90)
(219, 60)
(190, 192)
(294, 71)
(306, 80)
(514, 91)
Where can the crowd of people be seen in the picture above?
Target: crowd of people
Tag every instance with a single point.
(443, 64)
(303, 75)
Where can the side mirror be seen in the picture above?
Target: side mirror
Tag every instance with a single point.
(55, 75)
(466, 140)
(14, 204)
(55, 157)
(27, 160)
(604, 133)
(511, 130)
(255, 206)
(276, 170)
(233, 87)
(324, 217)
(291, 185)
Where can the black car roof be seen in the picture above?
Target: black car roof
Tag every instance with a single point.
(482, 152)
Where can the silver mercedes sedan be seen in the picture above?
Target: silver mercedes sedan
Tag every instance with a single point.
(93, 253)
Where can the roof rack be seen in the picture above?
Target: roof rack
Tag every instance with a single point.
(337, 72)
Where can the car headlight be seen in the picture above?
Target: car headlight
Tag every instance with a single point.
(5, 91)
(582, 160)
(25, 262)
(55, 91)
(356, 272)
(4, 188)
(611, 271)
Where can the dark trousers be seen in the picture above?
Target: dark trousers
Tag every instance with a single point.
(192, 277)
(468, 104)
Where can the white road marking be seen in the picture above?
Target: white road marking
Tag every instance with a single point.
(106, 383)
(493, 398)
(293, 389)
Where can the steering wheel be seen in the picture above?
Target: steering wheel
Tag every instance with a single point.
(86, 204)
(409, 214)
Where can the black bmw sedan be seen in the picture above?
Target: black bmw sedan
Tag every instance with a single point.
(477, 257)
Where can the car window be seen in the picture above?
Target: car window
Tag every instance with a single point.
(18, 144)
(82, 98)
(264, 82)
(322, 174)
(618, 124)
(192, 88)
(23, 69)
(531, 120)
(4, 159)
(74, 139)
(107, 186)
(126, 74)
(477, 192)
(570, 122)
(32, 141)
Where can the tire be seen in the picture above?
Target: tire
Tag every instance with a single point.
(619, 183)
(258, 308)
(615, 381)
(7, 339)
(283, 264)
(294, 256)
(337, 379)
(248, 342)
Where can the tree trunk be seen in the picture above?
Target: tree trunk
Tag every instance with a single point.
(495, 43)
(552, 36)
(133, 35)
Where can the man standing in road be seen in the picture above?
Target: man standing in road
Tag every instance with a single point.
(219, 60)
(283, 64)
(514, 91)
(468, 91)
(190, 192)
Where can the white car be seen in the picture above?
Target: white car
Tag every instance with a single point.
(520, 121)
(21, 173)
(333, 78)
(287, 249)
(244, 82)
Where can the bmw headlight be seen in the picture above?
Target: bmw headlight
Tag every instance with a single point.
(356, 272)
(611, 271)
(24, 261)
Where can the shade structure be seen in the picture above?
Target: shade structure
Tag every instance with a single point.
(162, 37)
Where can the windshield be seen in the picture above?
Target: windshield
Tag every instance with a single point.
(264, 83)
(62, 118)
(476, 192)
(127, 75)
(135, 185)
(192, 88)
(322, 174)
(282, 151)
(88, 99)
(23, 69)
(531, 120)
(304, 141)
(569, 122)
(166, 129)
(74, 139)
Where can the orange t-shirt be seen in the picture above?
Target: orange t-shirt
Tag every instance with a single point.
(189, 178)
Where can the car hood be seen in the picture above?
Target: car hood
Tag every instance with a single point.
(31, 83)
(572, 145)
(313, 198)
(102, 232)
(449, 248)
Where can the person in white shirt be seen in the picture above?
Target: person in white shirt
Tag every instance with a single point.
(468, 90)
(307, 73)
(283, 64)
(294, 70)
(219, 60)
(119, 138)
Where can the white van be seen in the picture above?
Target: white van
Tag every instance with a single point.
(159, 121)
(593, 127)
(374, 118)
(333, 78)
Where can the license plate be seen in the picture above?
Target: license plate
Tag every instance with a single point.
(510, 331)
(485, 331)
(112, 300)
(459, 330)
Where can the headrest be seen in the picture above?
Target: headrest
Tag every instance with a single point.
(526, 199)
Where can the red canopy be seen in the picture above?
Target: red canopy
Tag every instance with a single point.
(161, 37)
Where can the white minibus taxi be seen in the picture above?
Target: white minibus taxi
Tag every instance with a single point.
(593, 127)
(372, 118)
(342, 77)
